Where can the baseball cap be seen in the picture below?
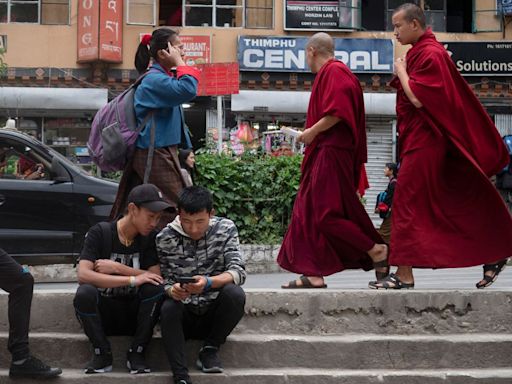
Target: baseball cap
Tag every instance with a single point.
(148, 196)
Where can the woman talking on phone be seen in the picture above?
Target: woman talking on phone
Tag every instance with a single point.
(157, 102)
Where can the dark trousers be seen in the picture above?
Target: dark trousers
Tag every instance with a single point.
(20, 285)
(103, 316)
(179, 323)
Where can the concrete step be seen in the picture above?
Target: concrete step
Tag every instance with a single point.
(280, 351)
(296, 376)
(330, 311)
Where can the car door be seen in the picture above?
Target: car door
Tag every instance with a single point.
(37, 214)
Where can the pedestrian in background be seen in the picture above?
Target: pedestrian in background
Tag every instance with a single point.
(188, 165)
(19, 283)
(385, 200)
(330, 230)
(446, 214)
(161, 93)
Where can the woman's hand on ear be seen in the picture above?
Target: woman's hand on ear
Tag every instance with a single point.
(170, 57)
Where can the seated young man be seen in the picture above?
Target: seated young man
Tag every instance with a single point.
(121, 289)
(199, 245)
(19, 283)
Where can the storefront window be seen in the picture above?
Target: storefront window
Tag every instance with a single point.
(28, 11)
(441, 15)
(259, 13)
(208, 13)
(142, 12)
(69, 136)
(55, 12)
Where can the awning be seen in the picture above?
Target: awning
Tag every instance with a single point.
(297, 102)
(55, 102)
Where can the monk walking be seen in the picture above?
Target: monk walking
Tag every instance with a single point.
(446, 212)
(330, 231)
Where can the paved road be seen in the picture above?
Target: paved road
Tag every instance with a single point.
(462, 278)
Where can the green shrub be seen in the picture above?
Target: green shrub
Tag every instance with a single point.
(256, 192)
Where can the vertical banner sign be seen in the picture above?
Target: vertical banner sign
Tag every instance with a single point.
(197, 49)
(88, 21)
(111, 31)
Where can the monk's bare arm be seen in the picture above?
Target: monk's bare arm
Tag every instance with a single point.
(403, 76)
(321, 125)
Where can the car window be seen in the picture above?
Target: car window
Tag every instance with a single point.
(21, 162)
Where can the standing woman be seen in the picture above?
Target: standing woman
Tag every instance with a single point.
(188, 165)
(161, 92)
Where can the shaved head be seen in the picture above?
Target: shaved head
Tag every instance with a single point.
(412, 12)
(322, 43)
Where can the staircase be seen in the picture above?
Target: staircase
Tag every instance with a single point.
(311, 336)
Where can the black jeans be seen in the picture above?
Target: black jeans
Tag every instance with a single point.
(103, 316)
(178, 323)
(20, 285)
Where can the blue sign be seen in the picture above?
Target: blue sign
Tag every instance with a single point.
(288, 54)
(505, 7)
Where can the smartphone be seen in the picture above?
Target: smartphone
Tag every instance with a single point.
(186, 280)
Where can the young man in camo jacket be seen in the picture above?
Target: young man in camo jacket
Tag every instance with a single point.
(200, 245)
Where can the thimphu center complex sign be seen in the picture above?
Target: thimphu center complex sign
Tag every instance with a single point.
(288, 54)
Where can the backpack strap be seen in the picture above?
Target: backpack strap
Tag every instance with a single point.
(106, 232)
(151, 152)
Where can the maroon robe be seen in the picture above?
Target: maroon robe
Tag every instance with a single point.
(330, 230)
(446, 212)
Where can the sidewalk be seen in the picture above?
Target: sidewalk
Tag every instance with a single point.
(459, 278)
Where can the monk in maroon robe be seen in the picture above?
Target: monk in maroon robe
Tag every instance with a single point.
(446, 212)
(330, 230)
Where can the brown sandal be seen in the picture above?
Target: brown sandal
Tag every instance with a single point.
(306, 284)
(381, 264)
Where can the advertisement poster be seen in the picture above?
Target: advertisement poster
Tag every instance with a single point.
(197, 49)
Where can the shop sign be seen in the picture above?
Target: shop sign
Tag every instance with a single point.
(481, 58)
(320, 15)
(111, 31)
(218, 79)
(197, 49)
(288, 54)
(88, 22)
(505, 7)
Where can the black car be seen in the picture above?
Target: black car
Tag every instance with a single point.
(47, 203)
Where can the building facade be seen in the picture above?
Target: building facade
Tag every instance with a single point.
(67, 46)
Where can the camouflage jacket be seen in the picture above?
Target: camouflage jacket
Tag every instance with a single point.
(217, 252)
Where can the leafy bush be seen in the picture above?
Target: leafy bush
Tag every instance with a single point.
(256, 192)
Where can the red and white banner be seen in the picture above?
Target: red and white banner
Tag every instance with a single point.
(111, 31)
(87, 36)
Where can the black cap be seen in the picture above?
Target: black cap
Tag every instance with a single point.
(148, 196)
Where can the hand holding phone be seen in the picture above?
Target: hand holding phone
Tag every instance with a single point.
(186, 280)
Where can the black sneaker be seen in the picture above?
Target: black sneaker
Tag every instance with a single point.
(100, 363)
(136, 362)
(208, 360)
(33, 368)
(182, 381)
